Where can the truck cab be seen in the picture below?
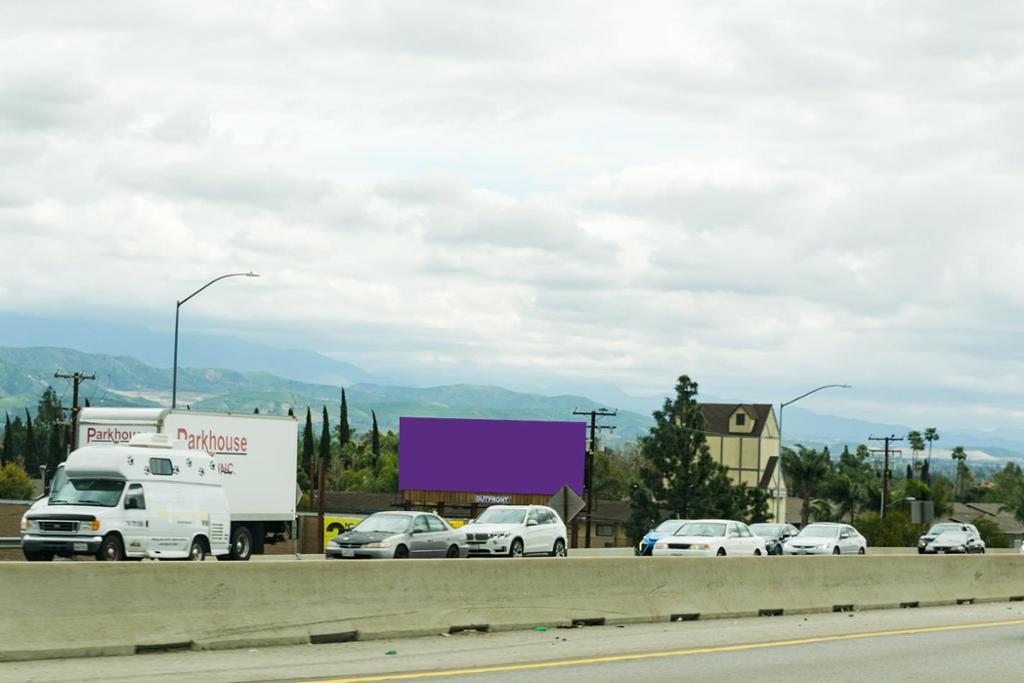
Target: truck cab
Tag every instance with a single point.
(149, 498)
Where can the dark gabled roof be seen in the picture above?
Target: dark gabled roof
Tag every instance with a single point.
(361, 503)
(718, 414)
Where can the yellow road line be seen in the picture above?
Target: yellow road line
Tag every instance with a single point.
(670, 653)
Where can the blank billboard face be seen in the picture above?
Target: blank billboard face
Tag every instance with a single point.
(490, 456)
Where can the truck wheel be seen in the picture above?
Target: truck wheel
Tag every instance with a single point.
(197, 552)
(40, 556)
(241, 544)
(111, 550)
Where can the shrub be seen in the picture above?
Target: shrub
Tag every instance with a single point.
(993, 536)
(895, 531)
(15, 483)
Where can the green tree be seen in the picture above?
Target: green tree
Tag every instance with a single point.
(307, 445)
(930, 435)
(1006, 481)
(325, 444)
(895, 531)
(613, 473)
(960, 455)
(676, 472)
(15, 483)
(344, 430)
(7, 453)
(375, 445)
(806, 472)
(30, 449)
(916, 441)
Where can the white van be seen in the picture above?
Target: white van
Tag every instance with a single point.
(151, 497)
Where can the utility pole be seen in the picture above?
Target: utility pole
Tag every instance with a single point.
(77, 378)
(885, 467)
(588, 470)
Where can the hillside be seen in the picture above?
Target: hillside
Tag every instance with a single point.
(123, 381)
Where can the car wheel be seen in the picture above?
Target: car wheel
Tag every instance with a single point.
(721, 552)
(559, 549)
(757, 552)
(197, 553)
(111, 550)
(981, 551)
(920, 551)
(402, 553)
(516, 549)
(862, 551)
(453, 551)
(836, 550)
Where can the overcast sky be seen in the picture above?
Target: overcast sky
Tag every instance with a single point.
(765, 196)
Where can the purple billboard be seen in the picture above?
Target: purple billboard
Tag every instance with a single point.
(490, 456)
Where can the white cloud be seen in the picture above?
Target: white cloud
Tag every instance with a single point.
(765, 198)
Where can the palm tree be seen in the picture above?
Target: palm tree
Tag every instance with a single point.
(916, 444)
(930, 434)
(960, 455)
(806, 471)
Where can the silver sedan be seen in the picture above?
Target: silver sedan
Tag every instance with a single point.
(399, 535)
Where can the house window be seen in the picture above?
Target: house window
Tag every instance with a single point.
(605, 530)
(741, 419)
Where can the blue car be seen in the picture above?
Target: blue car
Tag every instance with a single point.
(666, 528)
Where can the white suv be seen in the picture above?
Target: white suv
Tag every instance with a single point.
(515, 531)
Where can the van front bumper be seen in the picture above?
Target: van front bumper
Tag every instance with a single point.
(62, 545)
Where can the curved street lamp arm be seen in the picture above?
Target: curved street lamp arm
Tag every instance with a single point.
(825, 386)
(216, 279)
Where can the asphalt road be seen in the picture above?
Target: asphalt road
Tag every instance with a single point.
(963, 643)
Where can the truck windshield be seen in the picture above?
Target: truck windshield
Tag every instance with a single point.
(98, 492)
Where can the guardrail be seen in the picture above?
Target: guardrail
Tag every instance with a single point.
(10, 542)
(199, 605)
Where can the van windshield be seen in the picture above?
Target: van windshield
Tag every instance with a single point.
(98, 492)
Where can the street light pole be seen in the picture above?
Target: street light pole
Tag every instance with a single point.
(177, 311)
(781, 408)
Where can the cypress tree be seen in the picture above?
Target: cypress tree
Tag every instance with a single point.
(307, 445)
(375, 444)
(7, 454)
(344, 431)
(325, 442)
(29, 453)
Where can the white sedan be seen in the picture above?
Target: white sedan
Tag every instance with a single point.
(710, 538)
(826, 538)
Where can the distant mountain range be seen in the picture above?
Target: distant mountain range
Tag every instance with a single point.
(227, 373)
(123, 381)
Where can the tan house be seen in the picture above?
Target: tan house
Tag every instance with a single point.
(745, 438)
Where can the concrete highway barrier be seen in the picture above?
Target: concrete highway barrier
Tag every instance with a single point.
(82, 609)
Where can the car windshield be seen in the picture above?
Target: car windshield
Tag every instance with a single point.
(391, 524)
(767, 530)
(669, 526)
(820, 531)
(951, 535)
(501, 516)
(701, 529)
(939, 528)
(98, 492)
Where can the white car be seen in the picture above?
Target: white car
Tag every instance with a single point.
(710, 538)
(516, 531)
(826, 538)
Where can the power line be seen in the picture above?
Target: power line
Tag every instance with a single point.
(886, 475)
(77, 378)
(588, 473)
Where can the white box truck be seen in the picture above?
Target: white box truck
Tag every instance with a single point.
(151, 497)
(255, 458)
